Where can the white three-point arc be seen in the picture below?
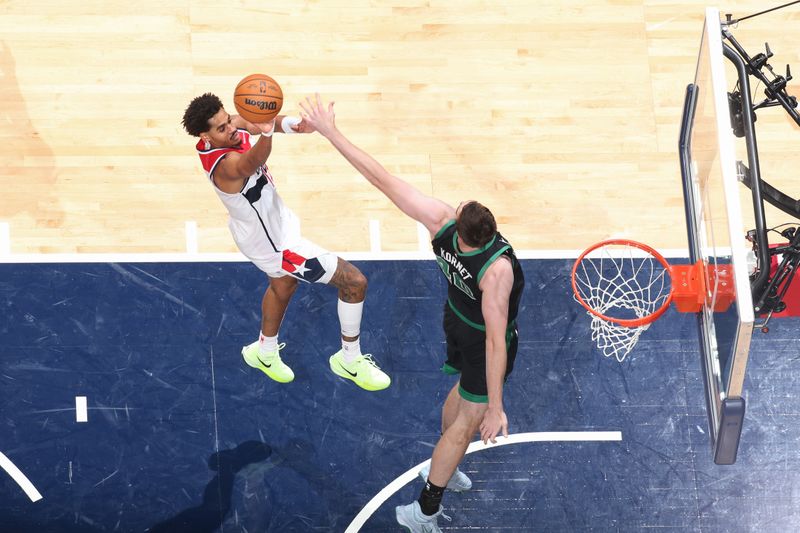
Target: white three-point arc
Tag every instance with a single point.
(409, 475)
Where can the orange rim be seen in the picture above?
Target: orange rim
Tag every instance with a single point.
(632, 322)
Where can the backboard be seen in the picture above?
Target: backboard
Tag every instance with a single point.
(716, 234)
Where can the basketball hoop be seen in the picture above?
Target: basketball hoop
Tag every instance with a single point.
(625, 286)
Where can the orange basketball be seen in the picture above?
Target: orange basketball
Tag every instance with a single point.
(258, 98)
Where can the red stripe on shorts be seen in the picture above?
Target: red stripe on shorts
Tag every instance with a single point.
(291, 260)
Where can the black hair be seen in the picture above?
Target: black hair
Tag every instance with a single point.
(199, 112)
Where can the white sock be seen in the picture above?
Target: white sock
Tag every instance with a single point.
(350, 350)
(267, 345)
(350, 322)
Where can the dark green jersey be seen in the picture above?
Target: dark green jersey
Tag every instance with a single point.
(464, 271)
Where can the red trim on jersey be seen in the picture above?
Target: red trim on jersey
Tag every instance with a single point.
(210, 158)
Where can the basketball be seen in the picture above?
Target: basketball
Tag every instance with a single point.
(258, 98)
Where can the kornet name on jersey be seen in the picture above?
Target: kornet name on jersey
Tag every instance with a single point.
(464, 271)
(257, 211)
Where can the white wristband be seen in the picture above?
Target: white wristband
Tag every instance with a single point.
(268, 134)
(288, 122)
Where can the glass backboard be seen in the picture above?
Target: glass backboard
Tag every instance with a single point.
(716, 233)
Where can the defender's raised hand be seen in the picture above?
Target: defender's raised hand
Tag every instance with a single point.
(317, 116)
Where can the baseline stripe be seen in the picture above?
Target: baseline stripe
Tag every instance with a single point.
(5, 239)
(409, 475)
(191, 237)
(235, 257)
(423, 238)
(374, 236)
(20, 478)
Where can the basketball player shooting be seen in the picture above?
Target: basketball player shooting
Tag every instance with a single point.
(485, 283)
(267, 232)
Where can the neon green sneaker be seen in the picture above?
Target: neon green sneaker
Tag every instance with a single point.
(270, 364)
(363, 371)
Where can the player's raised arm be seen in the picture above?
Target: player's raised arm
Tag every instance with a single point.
(432, 213)
(283, 124)
(236, 167)
(240, 123)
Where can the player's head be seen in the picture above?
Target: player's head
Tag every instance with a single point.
(475, 224)
(206, 118)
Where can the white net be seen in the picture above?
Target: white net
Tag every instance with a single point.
(623, 283)
(613, 339)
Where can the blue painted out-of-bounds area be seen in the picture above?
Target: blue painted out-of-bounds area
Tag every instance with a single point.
(182, 436)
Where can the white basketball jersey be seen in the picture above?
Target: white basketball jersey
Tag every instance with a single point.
(258, 216)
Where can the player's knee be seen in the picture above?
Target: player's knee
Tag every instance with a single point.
(359, 281)
(462, 431)
(353, 279)
(283, 287)
(462, 437)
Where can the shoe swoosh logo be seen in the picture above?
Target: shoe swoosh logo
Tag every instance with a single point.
(343, 368)
(263, 363)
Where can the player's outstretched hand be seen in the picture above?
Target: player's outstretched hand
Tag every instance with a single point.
(302, 127)
(494, 421)
(318, 116)
(265, 127)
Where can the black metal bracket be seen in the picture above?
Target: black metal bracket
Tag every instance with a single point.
(768, 288)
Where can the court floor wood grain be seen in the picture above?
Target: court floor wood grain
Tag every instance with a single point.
(562, 116)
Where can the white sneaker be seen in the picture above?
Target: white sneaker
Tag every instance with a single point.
(411, 517)
(459, 482)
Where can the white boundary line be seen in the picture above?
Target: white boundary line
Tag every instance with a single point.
(191, 237)
(17, 475)
(214, 397)
(409, 475)
(374, 236)
(5, 239)
(423, 238)
(239, 258)
(81, 411)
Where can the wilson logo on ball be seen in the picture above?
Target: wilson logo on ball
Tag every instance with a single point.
(268, 106)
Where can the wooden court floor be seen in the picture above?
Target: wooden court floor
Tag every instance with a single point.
(560, 115)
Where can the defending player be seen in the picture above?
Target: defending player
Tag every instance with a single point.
(485, 283)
